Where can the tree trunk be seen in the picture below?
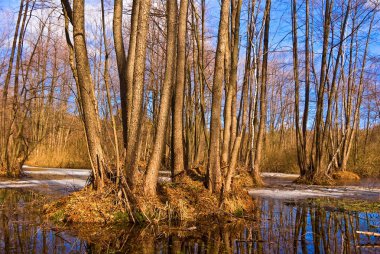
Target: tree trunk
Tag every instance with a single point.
(318, 143)
(263, 99)
(88, 100)
(235, 140)
(177, 143)
(214, 177)
(107, 84)
(159, 142)
(125, 66)
(137, 114)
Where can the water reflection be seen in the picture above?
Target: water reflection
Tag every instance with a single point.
(276, 227)
(23, 231)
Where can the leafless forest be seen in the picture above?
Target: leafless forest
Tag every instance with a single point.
(132, 88)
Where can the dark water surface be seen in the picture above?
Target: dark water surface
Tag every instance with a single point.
(277, 226)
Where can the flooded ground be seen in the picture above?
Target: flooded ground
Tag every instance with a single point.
(281, 186)
(281, 223)
(49, 180)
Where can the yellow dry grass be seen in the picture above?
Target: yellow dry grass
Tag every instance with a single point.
(185, 201)
(86, 206)
(345, 176)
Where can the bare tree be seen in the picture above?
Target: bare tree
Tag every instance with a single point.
(156, 156)
(177, 143)
(263, 97)
(214, 175)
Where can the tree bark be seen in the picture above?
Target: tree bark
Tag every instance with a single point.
(178, 142)
(159, 142)
(214, 177)
(137, 114)
(263, 99)
(88, 100)
(125, 65)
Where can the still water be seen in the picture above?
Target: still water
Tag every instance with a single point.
(278, 226)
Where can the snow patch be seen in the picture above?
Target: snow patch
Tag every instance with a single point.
(302, 192)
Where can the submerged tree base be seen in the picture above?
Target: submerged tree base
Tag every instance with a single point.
(185, 201)
(13, 173)
(324, 179)
(321, 179)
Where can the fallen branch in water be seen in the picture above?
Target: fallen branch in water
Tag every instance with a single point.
(368, 233)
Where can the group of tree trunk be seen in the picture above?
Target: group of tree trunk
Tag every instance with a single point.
(155, 91)
(339, 87)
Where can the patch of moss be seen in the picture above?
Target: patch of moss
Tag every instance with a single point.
(121, 217)
(58, 216)
(139, 217)
(239, 212)
(345, 205)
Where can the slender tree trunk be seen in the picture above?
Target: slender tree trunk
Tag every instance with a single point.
(235, 140)
(318, 143)
(11, 58)
(159, 142)
(125, 65)
(107, 84)
(301, 152)
(305, 116)
(214, 177)
(178, 142)
(137, 114)
(355, 124)
(263, 99)
(88, 100)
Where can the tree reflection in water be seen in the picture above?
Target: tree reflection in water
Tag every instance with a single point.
(276, 227)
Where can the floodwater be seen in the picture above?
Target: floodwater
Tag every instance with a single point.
(279, 225)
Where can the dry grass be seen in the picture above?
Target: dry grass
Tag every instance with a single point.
(63, 146)
(185, 201)
(318, 179)
(280, 155)
(86, 206)
(241, 181)
(345, 176)
(365, 158)
(13, 173)
(74, 158)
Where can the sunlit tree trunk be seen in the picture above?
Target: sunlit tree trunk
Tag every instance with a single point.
(125, 64)
(135, 123)
(107, 84)
(159, 142)
(263, 98)
(87, 96)
(235, 140)
(177, 139)
(318, 142)
(214, 177)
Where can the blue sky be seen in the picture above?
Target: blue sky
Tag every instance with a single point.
(280, 37)
(9, 3)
